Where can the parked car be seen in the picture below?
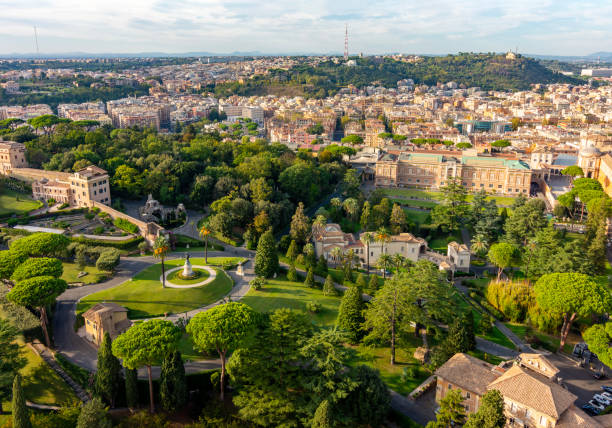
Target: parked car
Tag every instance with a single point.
(608, 395)
(590, 410)
(607, 388)
(602, 399)
(598, 375)
(597, 405)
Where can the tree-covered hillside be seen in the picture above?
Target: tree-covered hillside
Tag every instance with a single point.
(488, 71)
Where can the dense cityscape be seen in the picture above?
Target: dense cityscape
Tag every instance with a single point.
(357, 240)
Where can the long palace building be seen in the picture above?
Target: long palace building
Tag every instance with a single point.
(432, 171)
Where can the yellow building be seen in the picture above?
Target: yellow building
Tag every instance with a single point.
(105, 318)
(12, 155)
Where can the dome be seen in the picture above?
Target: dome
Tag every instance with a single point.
(589, 151)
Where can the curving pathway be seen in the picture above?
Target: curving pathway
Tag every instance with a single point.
(212, 274)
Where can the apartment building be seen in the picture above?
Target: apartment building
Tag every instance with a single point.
(432, 171)
(12, 155)
(24, 112)
(532, 396)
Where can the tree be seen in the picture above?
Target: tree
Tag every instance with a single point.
(599, 337)
(454, 206)
(385, 261)
(502, 255)
(419, 296)
(398, 219)
(366, 238)
(292, 273)
(292, 251)
(361, 283)
(43, 266)
(38, 292)
(321, 267)
(328, 287)
(309, 281)
(479, 244)
(204, 232)
(451, 411)
(161, 248)
(222, 328)
(323, 416)
(525, 221)
(350, 313)
(352, 139)
(373, 284)
(366, 216)
(300, 225)
(40, 245)
(351, 207)
(490, 414)
(350, 186)
(131, 387)
(369, 402)
(108, 374)
(173, 385)
(573, 171)
(10, 360)
(461, 336)
(146, 344)
(571, 295)
(383, 238)
(266, 258)
(93, 415)
(21, 415)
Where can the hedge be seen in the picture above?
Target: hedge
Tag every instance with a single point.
(125, 225)
(128, 244)
(108, 260)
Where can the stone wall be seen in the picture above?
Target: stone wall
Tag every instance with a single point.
(149, 231)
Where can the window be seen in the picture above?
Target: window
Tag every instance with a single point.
(450, 386)
(467, 395)
(481, 184)
(491, 185)
(499, 186)
(473, 184)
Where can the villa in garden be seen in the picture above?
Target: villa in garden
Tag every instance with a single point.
(529, 385)
(105, 318)
(329, 237)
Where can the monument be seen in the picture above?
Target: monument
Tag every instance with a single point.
(188, 272)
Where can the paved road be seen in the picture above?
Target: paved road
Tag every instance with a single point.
(190, 228)
(578, 380)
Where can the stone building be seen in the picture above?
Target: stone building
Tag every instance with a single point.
(154, 211)
(12, 155)
(105, 318)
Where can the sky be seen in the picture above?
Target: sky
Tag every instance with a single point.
(555, 27)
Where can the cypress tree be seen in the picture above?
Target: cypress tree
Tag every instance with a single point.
(131, 387)
(292, 251)
(322, 265)
(373, 284)
(266, 258)
(350, 313)
(348, 272)
(310, 282)
(292, 273)
(173, 386)
(21, 415)
(323, 416)
(328, 287)
(461, 335)
(361, 282)
(108, 375)
(93, 415)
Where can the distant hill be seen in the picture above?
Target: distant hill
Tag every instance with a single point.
(487, 71)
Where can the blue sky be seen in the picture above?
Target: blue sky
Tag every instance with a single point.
(557, 27)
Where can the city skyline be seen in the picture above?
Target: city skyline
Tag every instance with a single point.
(438, 27)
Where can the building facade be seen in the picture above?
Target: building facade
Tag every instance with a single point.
(12, 155)
(105, 318)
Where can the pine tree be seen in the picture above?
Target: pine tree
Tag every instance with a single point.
(328, 287)
(323, 416)
(461, 335)
(292, 251)
(108, 375)
(350, 313)
(310, 282)
(398, 219)
(451, 411)
(93, 415)
(266, 258)
(321, 265)
(597, 250)
(173, 386)
(292, 273)
(21, 415)
(373, 284)
(490, 414)
(348, 271)
(131, 387)
(300, 225)
(366, 216)
(361, 282)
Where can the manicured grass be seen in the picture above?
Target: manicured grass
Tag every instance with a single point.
(485, 357)
(415, 203)
(440, 243)
(380, 358)
(542, 340)
(281, 293)
(94, 275)
(437, 196)
(144, 296)
(176, 279)
(417, 216)
(10, 204)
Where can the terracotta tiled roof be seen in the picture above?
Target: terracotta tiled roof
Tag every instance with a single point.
(468, 373)
(576, 418)
(102, 308)
(534, 391)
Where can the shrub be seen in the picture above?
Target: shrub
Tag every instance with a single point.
(143, 247)
(99, 230)
(125, 225)
(292, 274)
(258, 282)
(123, 245)
(512, 298)
(313, 307)
(89, 216)
(108, 260)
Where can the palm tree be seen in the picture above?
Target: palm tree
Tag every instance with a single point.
(367, 239)
(160, 251)
(479, 244)
(351, 206)
(383, 237)
(384, 261)
(319, 221)
(336, 254)
(398, 261)
(204, 232)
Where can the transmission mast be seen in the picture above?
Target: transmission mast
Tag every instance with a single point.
(345, 42)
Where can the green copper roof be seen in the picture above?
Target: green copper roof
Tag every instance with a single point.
(510, 163)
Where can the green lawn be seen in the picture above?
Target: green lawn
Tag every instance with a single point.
(539, 339)
(281, 293)
(392, 375)
(144, 296)
(175, 279)
(18, 203)
(437, 196)
(440, 243)
(416, 216)
(94, 275)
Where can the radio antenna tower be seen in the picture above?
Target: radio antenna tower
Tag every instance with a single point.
(36, 40)
(345, 42)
